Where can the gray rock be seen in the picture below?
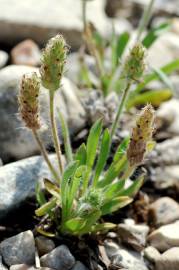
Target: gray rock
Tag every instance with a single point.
(165, 177)
(16, 141)
(133, 235)
(168, 260)
(44, 245)
(123, 258)
(79, 266)
(3, 58)
(168, 116)
(63, 17)
(158, 155)
(151, 254)
(59, 259)
(164, 211)
(165, 237)
(26, 267)
(19, 249)
(2, 266)
(18, 180)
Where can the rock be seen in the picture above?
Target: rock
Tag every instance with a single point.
(165, 237)
(63, 17)
(3, 58)
(164, 211)
(133, 235)
(18, 249)
(26, 267)
(123, 258)
(18, 180)
(165, 177)
(16, 141)
(151, 254)
(168, 260)
(26, 53)
(158, 155)
(2, 267)
(168, 116)
(79, 266)
(44, 245)
(59, 259)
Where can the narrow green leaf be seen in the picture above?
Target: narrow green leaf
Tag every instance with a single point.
(90, 221)
(133, 188)
(92, 142)
(154, 97)
(75, 224)
(66, 137)
(112, 190)
(52, 188)
(103, 227)
(40, 197)
(163, 77)
(167, 69)
(153, 34)
(103, 155)
(115, 204)
(81, 154)
(45, 208)
(47, 234)
(122, 42)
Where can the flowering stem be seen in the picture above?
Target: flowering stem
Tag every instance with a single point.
(120, 109)
(45, 155)
(54, 132)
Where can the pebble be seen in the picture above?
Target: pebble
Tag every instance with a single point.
(44, 245)
(152, 254)
(18, 249)
(133, 235)
(18, 181)
(124, 258)
(59, 259)
(2, 266)
(27, 53)
(169, 260)
(3, 58)
(164, 211)
(165, 237)
(79, 266)
(26, 267)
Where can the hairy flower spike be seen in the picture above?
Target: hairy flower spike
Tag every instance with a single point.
(134, 65)
(28, 100)
(141, 135)
(53, 61)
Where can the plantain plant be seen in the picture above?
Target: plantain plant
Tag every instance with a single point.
(87, 186)
(110, 77)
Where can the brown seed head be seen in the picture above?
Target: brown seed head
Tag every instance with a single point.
(141, 135)
(28, 100)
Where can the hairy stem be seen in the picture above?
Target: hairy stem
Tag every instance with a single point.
(45, 155)
(120, 109)
(84, 14)
(55, 133)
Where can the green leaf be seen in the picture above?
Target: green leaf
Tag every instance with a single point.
(40, 197)
(115, 204)
(75, 224)
(132, 190)
(46, 208)
(75, 184)
(163, 77)
(66, 137)
(113, 190)
(152, 35)
(167, 69)
(154, 97)
(104, 227)
(90, 221)
(52, 188)
(103, 155)
(92, 142)
(81, 154)
(47, 234)
(121, 150)
(121, 44)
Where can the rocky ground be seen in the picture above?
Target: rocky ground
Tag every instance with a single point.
(147, 235)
